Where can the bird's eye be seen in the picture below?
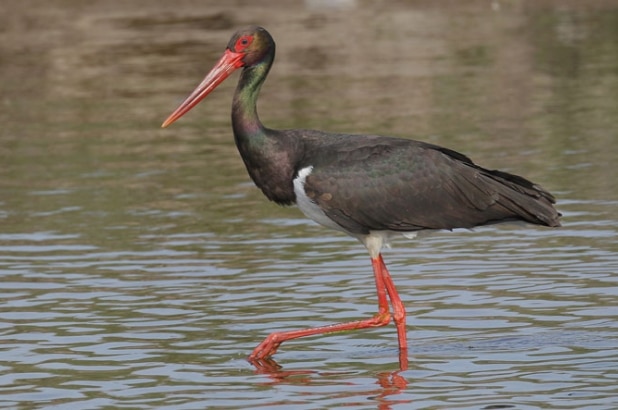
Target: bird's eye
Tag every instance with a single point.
(243, 42)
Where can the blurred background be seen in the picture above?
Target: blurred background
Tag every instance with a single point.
(138, 266)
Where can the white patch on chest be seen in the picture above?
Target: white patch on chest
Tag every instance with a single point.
(308, 206)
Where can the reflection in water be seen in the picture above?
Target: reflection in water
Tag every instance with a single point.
(389, 384)
(139, 268)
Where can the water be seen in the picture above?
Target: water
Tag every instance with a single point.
(139, 266)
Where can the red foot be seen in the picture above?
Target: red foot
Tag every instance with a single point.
(267, 348)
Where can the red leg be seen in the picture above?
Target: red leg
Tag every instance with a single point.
(399, 311)
(270, 345)
(399, 314)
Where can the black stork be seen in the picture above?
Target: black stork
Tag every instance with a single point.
(370, 187)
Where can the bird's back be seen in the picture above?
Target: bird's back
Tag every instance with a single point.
(366, 183)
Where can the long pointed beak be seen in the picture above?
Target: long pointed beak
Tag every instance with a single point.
(226, 65)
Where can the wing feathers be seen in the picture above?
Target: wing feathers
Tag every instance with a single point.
(425, 187)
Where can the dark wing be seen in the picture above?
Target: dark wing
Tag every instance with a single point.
(406, 185)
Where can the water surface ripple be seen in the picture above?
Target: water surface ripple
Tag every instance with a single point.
(139, 267)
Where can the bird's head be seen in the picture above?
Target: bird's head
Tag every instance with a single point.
(247, 48)
(250, 45)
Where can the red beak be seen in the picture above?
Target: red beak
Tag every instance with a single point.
(226, 65)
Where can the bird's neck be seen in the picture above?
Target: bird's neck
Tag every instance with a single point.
(245, 120)
(269, 155)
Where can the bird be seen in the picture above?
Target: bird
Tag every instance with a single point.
(370, 187)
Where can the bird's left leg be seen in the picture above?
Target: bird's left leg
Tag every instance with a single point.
(399, 311)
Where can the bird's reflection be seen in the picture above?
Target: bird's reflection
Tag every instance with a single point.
(389, 384)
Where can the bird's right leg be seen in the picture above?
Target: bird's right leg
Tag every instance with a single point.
(399, 313)
(399, 310)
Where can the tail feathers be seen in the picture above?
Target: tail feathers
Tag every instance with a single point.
(527, 200)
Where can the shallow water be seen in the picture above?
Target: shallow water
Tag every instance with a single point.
(139, 266)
